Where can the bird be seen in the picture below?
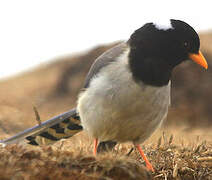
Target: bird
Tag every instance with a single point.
(126, 94)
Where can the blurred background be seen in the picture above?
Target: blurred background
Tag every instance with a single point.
(47, 47)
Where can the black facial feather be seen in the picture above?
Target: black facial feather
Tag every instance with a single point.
(155, 52)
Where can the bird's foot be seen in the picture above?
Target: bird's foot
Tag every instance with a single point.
(149, 167)
(95, 146)
(148, 164)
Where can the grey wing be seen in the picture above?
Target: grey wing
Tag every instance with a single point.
(103, 60)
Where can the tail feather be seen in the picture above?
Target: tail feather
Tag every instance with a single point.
(59, 127)
(62, 130)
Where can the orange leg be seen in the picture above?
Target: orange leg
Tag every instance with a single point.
(148, 164)
(95, 146)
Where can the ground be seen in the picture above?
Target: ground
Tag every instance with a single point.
(174, 155)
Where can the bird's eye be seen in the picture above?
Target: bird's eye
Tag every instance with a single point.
(185, 44)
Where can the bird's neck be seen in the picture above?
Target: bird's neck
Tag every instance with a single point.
(150, 70)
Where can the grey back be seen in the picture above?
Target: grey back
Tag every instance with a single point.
(103, 60)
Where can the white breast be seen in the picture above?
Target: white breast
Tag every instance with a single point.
(114, 107)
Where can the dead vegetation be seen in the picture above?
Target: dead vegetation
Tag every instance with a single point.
(72, 159)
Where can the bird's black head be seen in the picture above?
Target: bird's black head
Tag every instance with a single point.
(155, 50)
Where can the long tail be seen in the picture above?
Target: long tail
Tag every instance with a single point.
(61, 130)
(62, 126)
(59, 127)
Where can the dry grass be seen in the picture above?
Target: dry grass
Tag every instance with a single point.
(173, 157)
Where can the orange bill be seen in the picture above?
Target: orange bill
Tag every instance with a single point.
(199, 59)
